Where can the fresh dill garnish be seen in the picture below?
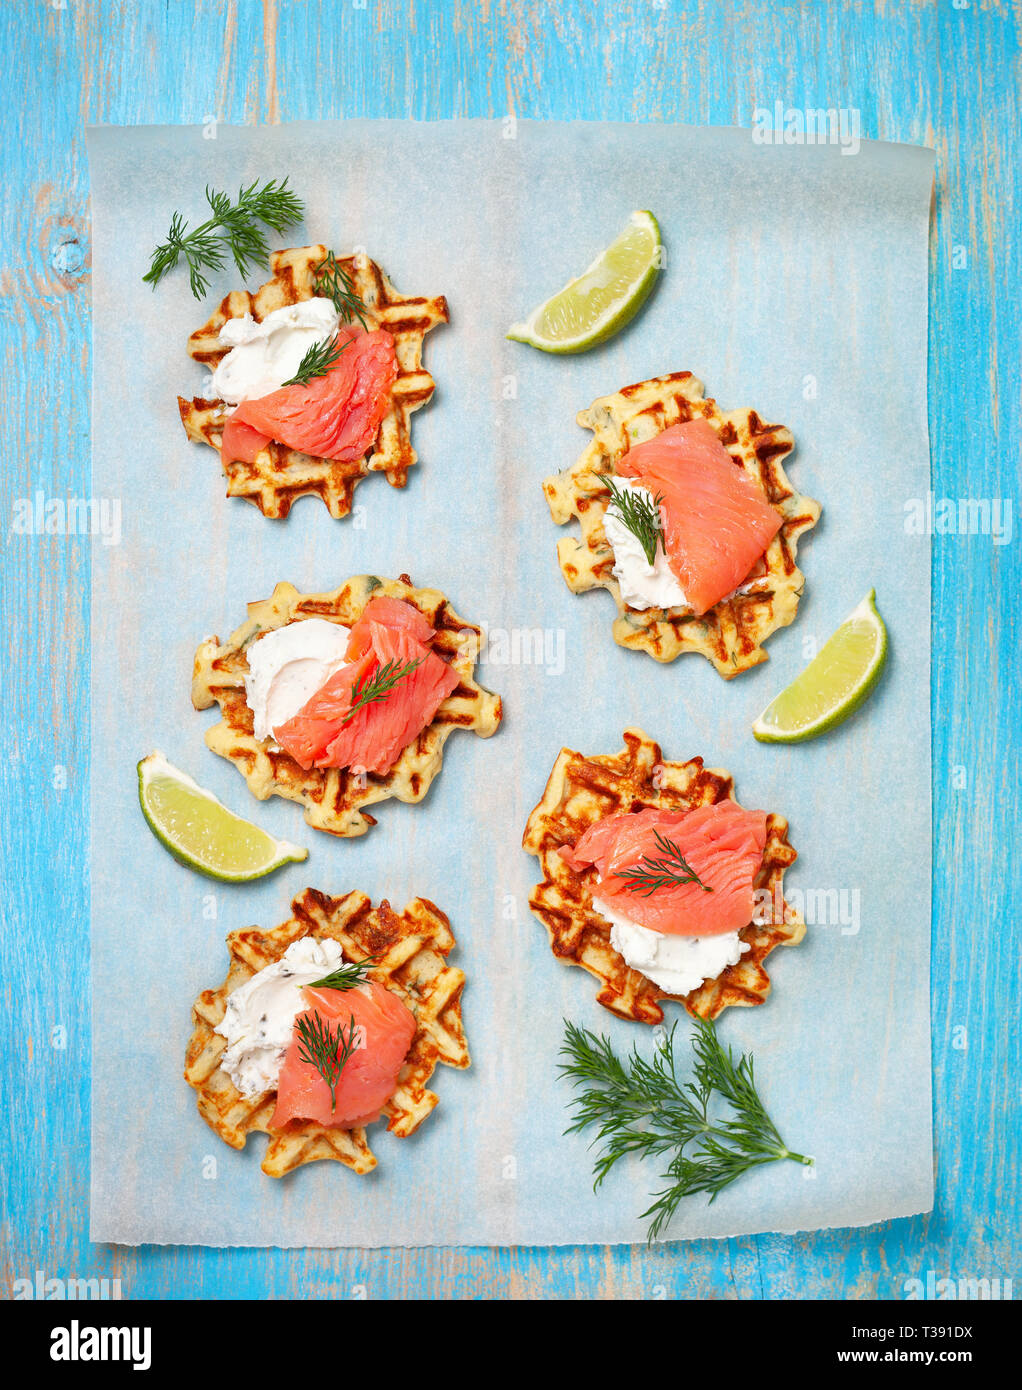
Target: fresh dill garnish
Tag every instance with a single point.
(640, 515)
(234, 228)
(326, 1049)
(378, 685)
(346, 976)
(668, 869)
(318, 360)
(333, 282)
(642, 1108)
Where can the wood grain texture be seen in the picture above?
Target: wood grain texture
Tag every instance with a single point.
(920, 72)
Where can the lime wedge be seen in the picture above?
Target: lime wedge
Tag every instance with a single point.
(601, 301)
(200, 831)
(835, 682)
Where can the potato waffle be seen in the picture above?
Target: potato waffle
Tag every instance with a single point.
(279, 474)
(732, 632)
(335, 798)
(584, 790)
(412, 950)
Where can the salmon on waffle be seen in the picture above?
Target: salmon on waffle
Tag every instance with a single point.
(334, 1019)
(279, 441)
(688, 519)
(341, 700)
(658, 883)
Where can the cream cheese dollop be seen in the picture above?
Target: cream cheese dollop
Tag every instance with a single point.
(260, 1014)
(287, 666)
(675, 964)
(265, 354)
(642, 585)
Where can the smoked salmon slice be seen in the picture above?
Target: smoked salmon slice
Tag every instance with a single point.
(384, 1031)
(722, 843)
(372, 739)
(336, 416)
(393, 613)
(308, 734)
(241, 442)
(716, 520)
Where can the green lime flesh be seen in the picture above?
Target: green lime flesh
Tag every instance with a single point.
(201, 832)
(834, 684)
(605, 297)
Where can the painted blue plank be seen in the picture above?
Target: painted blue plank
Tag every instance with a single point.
(943, 73)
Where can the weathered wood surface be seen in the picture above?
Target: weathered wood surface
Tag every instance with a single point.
(944, 73)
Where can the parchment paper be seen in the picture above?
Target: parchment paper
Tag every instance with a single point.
(796, 285)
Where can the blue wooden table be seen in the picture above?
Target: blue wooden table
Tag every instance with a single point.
(943, 73)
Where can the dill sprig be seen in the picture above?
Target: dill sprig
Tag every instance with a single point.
(346, 976)
(326, 1049)
(641, 1107)
(378, 685)
(640, 515)
(668, 869)
(233, 227)
(333, 282)
(318, 360)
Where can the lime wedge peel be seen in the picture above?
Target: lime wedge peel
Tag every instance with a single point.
(201, 832)
(834, 684)
(599, 302)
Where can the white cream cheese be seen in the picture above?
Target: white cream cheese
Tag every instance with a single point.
(675, 964)
(260, 1014)
(264, 355)
(287, 666)
(642, 585)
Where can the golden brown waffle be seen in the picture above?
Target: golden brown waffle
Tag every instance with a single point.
(732, 632)
(584, 790)
(412, 950)
(280, 474)
(335, 798)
